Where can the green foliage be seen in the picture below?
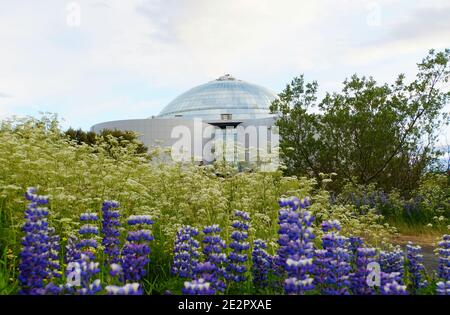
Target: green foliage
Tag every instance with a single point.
(367, 133)
(112, 138)
(79, 178)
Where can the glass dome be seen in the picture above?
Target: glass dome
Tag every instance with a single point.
(223, 99)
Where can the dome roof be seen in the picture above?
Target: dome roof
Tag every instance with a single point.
(220, 97)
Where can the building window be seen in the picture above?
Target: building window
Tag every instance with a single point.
(225, 116)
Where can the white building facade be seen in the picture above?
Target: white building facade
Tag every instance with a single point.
(226, 119)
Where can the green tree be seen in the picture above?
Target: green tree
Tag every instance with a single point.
(110, 138)
(367, 133)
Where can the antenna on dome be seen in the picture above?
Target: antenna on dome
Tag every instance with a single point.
(226, 77)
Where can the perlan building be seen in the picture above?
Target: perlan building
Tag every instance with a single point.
(223, 119)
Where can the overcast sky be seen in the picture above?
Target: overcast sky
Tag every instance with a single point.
(92, 61)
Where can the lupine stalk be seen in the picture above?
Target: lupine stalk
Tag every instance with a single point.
(443, 288)
(392, 266)
(391, 285)
(364, 256)
(87, 244)
(136, 250)
(337, 281)
(212, 270)
(299, 248)
(443, 252)
(127, 289)
(416, 268)
(110, 225)
(186, 253)
(198, 287)
(261, 263)
(236, 268)
(35, 255)
(86, 270)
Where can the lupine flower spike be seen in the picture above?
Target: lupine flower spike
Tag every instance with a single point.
(237, 259)
(35, 257)
(186, 252)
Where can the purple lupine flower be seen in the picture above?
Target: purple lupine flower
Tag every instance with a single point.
(394, 288)
(136, 250)
(213, 252)
(392, 265)
(54, 250)
(415, 267)
(339, 281)
(443, 252)
(355, 242)
(236, 268)
(140, 220)
(261, 263)
(80, 275)
(115, 270)
(186, 253)
(72, 252)
(333, 225)
(35, 255)
(287, 205)
(87, 244)
(88, 229)
(334, 264)
(198, 287)
(110, 230)
(322, 259)
(299, 250)
(443, 288)
(89, 217)
(364, 256)
(127, 289)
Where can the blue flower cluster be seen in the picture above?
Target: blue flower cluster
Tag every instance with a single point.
(84, 271)
(198, 287)
(285, 235)
(443, 251)
(136, 250)
(261, 263)
(237, 259)
(335, 261)
(35, 255)
(392, 266)
(296, 251)
(186, 252)
(339, 266)
(213, 270)
(127, 289)
(415, 267)
(87, 245)
(364, 257)
(110, 230)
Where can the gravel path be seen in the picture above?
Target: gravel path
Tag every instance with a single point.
(430, 259)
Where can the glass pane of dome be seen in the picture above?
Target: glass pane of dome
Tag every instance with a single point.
(226, 95)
